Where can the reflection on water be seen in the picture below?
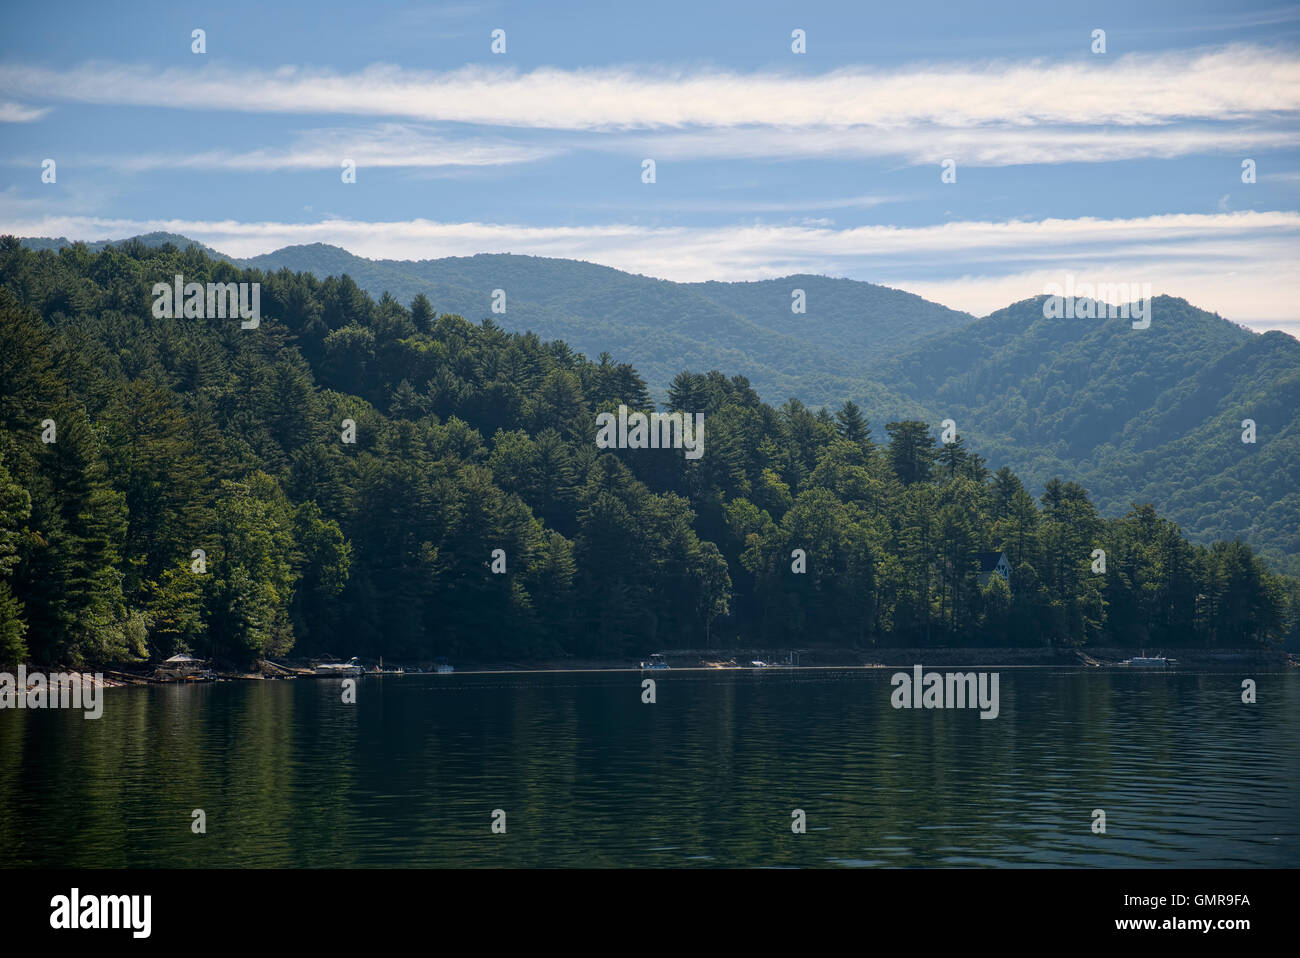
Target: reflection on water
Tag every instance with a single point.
(707, 776)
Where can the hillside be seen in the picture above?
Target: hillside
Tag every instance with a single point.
(1135, 415)
(363, 475)
(1148, 415)
(745, 328)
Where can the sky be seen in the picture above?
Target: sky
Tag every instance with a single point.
(1122, 166)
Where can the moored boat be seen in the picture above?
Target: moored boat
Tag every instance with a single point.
(1145, 661)
(332, 669)
(185, 668)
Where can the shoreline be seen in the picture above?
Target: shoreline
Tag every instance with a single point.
(713, 660)
(1185, 660)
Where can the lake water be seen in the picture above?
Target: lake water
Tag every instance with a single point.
(708, 775)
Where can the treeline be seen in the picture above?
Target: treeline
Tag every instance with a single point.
(184, 485)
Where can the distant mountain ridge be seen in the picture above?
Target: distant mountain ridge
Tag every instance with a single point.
(744, 328)
(663, 327)
(149, 239)
(1152, 415)
(1134, 415)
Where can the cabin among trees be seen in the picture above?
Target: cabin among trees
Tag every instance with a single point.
(994, 563)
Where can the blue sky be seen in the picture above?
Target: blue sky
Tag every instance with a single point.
(1116, 167)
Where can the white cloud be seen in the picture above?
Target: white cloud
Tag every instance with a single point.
(705, 205)
(402, 145)
(1233, 82)
(17, 113)
(386, 145)
(981, 146)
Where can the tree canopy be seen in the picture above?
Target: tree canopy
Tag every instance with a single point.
(199, 496)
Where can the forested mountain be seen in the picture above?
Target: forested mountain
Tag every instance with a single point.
(1135, 415)
(148, 239)
(748, 329)
(128, 442)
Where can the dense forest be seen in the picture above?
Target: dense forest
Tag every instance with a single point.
(745, 328)
(129, 443)
(1148, 415)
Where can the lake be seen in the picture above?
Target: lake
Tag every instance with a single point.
(708, 775)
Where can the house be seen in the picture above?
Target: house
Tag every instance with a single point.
(994, 563)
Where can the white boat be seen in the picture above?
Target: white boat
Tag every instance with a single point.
(656, 661)
(1145, 661)
(333, 669)
(760, 664)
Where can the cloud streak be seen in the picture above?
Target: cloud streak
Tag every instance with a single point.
(1235, 82)
(17, 113)
(985, 146)
(387, 145)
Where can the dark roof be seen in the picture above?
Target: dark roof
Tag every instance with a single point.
(989, 560)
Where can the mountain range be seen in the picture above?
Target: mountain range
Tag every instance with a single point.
(1135, 415)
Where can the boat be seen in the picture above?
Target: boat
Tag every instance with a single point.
(656, 661)
(760, 664)
(1145, 661)
(335, 669)
(185, 668)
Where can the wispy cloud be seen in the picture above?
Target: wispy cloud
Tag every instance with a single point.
(387, 145)
(753, 206)
(17, 113)
(983, 146)
(1234, 82)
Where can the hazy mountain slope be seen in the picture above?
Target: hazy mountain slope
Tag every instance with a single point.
(854, 319)
(1148, 415)
(148, 239)
(663, 327)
